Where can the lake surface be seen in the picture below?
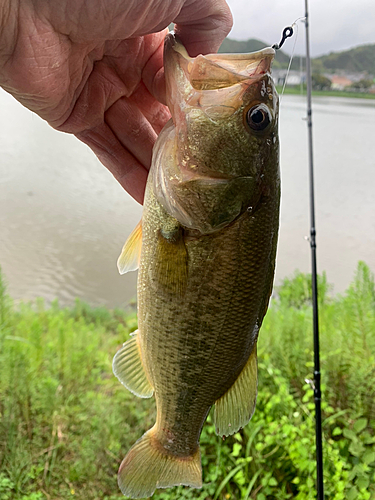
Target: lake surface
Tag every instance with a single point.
(64, 219)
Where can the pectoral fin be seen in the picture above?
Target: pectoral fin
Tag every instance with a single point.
(128, 368)
(131, 252)
(171, 259)
(236, 407)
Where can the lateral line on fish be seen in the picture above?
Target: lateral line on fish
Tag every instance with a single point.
(224, 321)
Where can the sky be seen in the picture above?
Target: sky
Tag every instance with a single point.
(335, 25)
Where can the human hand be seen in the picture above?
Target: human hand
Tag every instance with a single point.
(95, 69)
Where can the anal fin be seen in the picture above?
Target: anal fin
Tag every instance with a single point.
(236, 407)
(128, 368)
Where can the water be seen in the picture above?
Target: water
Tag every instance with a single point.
(64, 219)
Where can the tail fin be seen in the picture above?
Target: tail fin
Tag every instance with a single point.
(148, 466)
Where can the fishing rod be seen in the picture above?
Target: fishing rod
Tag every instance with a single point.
(288, 32)
(314, 284)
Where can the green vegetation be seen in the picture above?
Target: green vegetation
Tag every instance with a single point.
(358, 59)
(320, 82)
(363, 84)
(296, 90)
(253, 45)
(66, 422)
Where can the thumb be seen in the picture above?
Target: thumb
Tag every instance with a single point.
(202, 26)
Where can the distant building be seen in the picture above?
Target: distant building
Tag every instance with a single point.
(339, 82)
(293, 78)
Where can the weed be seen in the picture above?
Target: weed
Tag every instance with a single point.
(66, 423)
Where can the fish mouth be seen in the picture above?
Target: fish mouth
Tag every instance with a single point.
(213, 82)
(214, 71)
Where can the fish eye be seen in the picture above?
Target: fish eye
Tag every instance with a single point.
(258, 117)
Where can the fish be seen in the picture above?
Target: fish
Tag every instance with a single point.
(205, 249)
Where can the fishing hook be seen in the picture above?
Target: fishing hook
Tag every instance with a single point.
(287, 33)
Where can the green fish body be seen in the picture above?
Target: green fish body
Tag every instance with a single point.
(207, 244)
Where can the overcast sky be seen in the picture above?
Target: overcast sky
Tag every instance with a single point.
(335, 25)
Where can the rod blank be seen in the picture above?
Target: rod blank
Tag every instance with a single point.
(314, 284)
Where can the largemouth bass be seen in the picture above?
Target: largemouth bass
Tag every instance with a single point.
(206, 250)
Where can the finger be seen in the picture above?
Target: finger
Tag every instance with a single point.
(102, 88)
(202, 26)
(131, 128)
(155, 112)
(115, 76)
(121, 163)
(153, 71)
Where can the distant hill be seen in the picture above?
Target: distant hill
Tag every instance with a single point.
(252, 45)
(358, 59)
(239, 46)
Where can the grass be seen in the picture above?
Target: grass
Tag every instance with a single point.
(326, 93)
(66, 422)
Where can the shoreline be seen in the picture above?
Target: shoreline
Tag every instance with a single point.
(325, 93)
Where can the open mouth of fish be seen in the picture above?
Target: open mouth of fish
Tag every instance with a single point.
(217, 71)
(207, 80)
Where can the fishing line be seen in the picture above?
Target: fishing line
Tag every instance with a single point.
(287, 33)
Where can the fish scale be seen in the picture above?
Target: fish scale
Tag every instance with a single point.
(226, 322)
